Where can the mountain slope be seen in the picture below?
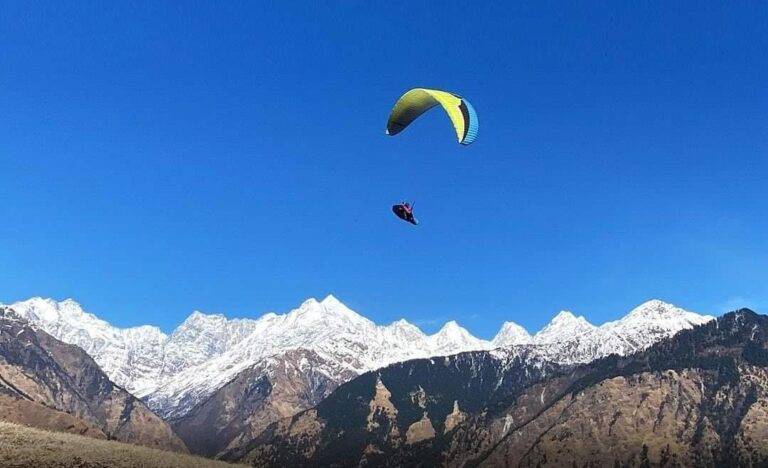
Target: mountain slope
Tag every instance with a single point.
(27, 447)
(132, 357)
(400, 406)
(56, 385)
(278, 387)
(17, 409)
(700, 397)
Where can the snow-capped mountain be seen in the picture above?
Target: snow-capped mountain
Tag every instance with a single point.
(568, 339)
(452, 337)
(136, 358)
(651, 321)
(278, 386)
(511, 334)
(174, 373)
(201, 337)
(329, 329)
(52, 385)
(131, 357)
(564, 327)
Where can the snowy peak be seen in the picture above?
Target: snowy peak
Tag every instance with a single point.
(213, 323)
(452, 330)
(333, 306)
(566, 318)
(405, 329)
(37, 309)
(312, 324)
(452, 326)
(329, 308)
(511, 334)
(309, 308)
(563, 327)
(652, 305)
(653, 321)
(198, 317)
(402, 323)
(568, 339)
(454, 337)
(653, 310)
(66, 316)
(199, 322)
(330, 301)
(657, 310)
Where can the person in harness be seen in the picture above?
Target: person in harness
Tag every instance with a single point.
(404, 211)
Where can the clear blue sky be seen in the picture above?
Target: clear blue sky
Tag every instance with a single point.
(231, 156)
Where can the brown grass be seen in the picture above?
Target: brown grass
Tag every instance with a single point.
(22, 446)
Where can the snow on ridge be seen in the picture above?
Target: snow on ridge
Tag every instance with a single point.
(563, 327)
(174, 372)
(327, 328)
(646, 324)
(511, 334)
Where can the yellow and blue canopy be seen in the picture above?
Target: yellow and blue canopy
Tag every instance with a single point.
(417, 101)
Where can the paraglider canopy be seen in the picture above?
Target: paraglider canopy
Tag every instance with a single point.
(417, 101)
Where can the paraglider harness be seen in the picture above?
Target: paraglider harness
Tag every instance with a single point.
(404, 211)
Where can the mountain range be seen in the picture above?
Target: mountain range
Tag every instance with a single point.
(175, 372)
(220, 382)
(699, 398)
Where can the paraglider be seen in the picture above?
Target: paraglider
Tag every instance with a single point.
(404, 211)
(417, 101)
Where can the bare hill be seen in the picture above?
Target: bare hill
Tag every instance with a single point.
(22, 446)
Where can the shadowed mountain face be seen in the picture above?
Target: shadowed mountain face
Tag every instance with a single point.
(699, 398)
(276, 388)
(53, 385)
(398, 408)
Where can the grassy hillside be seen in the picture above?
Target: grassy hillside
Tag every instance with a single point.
(22, 446)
